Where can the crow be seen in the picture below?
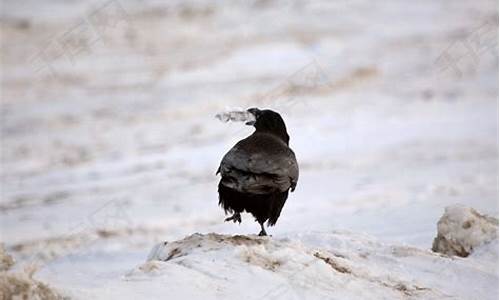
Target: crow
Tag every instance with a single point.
(258, 172)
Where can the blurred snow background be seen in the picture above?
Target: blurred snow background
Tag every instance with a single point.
(109, 141)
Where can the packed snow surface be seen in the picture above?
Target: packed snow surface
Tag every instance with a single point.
(336, 265)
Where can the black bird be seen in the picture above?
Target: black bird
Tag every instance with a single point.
(258, 171)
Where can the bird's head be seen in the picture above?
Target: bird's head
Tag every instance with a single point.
(268, 121)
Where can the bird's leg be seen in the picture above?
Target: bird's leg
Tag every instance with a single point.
(262, 230)
(235, 218)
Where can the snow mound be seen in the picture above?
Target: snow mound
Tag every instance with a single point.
(338, 265)
(462, 229)
(21, 285)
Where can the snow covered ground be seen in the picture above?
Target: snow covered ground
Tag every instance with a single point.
(110, 145)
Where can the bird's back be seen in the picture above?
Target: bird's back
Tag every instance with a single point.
(259, 164)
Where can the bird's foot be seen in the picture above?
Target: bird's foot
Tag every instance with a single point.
(262, 230)
(235, 218)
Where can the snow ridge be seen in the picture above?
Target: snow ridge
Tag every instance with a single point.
(337, 265)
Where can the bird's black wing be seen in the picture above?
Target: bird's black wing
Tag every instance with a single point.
(260, 164)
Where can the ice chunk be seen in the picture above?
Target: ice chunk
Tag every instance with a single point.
(462, 229)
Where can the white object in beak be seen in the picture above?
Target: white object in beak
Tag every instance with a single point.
(236, 116)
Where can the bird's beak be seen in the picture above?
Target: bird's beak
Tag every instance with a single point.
(254, 112)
